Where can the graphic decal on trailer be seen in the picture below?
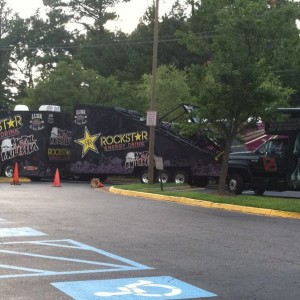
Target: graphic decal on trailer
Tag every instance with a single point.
(10, 126)
(18, 146)
(122, 141)
(37, 122)
(88, 142)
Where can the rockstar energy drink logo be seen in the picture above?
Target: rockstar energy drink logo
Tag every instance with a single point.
(10, 126)
(124, 141)
(56, 154)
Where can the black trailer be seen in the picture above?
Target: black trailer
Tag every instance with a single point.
(110, 141)
(39, 141)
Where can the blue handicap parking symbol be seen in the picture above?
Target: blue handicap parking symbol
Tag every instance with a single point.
(159, 288)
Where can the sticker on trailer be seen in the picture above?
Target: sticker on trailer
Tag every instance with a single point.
(159, 288)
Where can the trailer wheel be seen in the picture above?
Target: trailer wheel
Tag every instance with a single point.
(236, 184)
(259, 191)
(8, 170)
(163, 176)
(201, 181)
(181, 177)
(144, 176)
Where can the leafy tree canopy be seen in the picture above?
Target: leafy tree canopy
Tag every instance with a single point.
(172, 89)
(5, 53)
(238, 82)
(70, 84)
(92, 14)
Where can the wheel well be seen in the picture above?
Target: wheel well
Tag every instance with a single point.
(5, 165)
(240, 171)
(185, 171)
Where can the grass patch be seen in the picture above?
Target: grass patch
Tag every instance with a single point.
(172, 189)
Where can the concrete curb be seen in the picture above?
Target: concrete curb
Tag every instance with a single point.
(10, 180)
(208, 204)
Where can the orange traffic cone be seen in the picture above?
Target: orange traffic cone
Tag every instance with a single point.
(56, 182)
(16, 175)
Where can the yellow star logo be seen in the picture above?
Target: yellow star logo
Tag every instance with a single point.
(88, 142)
(10, 123)
(138, 137)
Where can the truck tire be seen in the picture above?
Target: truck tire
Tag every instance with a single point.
(236, 184)
(164, 175)
(181, 177)
(201, 181)
(259, 191)
(8, 170)
(144, 176)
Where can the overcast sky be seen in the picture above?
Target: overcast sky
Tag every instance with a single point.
(129, 13)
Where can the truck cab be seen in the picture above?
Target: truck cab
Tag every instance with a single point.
(275, 165)
(265, 168)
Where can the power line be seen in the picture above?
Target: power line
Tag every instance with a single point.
(162, 39)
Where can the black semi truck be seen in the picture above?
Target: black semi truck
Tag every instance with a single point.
(275, 165)
(39, 141)
(109, 141)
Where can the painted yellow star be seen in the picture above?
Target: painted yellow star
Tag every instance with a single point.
(11, 123)
(138, 137)
(88, 142)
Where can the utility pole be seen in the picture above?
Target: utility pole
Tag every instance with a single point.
(153, 111)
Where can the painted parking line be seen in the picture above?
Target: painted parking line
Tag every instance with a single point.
(4, 221)
(21, 231)
(73, 262)
(159, 288)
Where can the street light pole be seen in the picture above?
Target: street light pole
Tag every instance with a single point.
(153, 97)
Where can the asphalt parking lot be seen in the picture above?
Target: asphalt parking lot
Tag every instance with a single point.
(76, 242)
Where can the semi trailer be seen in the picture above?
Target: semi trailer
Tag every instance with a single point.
(39, 141)
(98, 141)
(108, 141)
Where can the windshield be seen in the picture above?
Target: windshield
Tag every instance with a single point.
(273, 147)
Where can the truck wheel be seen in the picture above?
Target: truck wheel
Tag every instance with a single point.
(144, 176)
(163, 176)
(181, 177)
(259, 191)
(236, 184)
(201, 181)
(8, 170)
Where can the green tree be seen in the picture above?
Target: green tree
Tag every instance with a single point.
(91, 14)
(128, 97)
(285, 57)
(96, 47)
(237, 82)
(70, 84)
(5, 54)
(172, 89)
(170, 50)
(105, 52)
(42, 43)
